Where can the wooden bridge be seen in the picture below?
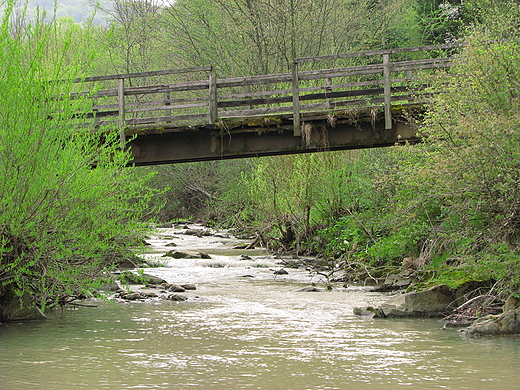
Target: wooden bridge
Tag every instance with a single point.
(338, 102)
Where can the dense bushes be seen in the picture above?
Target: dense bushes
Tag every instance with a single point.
(62, 222)
(466, 173)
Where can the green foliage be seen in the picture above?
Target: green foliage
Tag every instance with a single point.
(440, 20)
(254, 37)
(464, 179)
(62, 223)
(134, 38)
(287, 196)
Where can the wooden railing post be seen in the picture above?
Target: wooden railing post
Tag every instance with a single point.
(296, 100)
(121, 104)
(247, 89)
(328, 81)
(168, 112)
(387, 91)
(213, 97)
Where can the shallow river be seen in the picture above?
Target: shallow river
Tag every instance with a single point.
(237, 332)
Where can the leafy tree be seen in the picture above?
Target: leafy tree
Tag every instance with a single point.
(135, 36)
(440, 20)
(62, 222)
(244, 37)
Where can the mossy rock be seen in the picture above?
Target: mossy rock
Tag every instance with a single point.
(177, 255)
(128, 277)
(133, 278)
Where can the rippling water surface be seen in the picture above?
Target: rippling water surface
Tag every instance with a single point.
(246, 333)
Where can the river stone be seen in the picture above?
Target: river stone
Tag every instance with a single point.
(511, 303)
(133, 278)
(189, 286)
(150, 279)
(177, 255)
(203, 255)
(429, 303)
(175, 288)
(197, 232)
(281, 272)
(397, 281)
(365, 311)
(505, 323)
(177, 297)
(148, 294)
(18, 308)
(461, 293)
(132, 296)
(370, 282)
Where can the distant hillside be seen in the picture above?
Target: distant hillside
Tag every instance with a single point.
(79, 10)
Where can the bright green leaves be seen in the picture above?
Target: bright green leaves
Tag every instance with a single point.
(62, 223)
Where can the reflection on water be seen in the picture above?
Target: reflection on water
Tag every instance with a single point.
(254, 333)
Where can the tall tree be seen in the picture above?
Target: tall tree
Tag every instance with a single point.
(134, 37)
(244, 37)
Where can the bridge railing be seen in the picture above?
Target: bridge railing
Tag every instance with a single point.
(194, 96)
(391, 82)
(151, 98)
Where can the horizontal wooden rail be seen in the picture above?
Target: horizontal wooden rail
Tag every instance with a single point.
(181, 97)
(370, 53)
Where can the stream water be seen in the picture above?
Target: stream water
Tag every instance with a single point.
(244, 328)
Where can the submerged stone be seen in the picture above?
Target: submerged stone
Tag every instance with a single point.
(132, 296)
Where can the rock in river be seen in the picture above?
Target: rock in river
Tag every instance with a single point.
(177, 297)
(429, 303)
(18, 308)
(133, 278)
(505, 323)
(174, 288)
